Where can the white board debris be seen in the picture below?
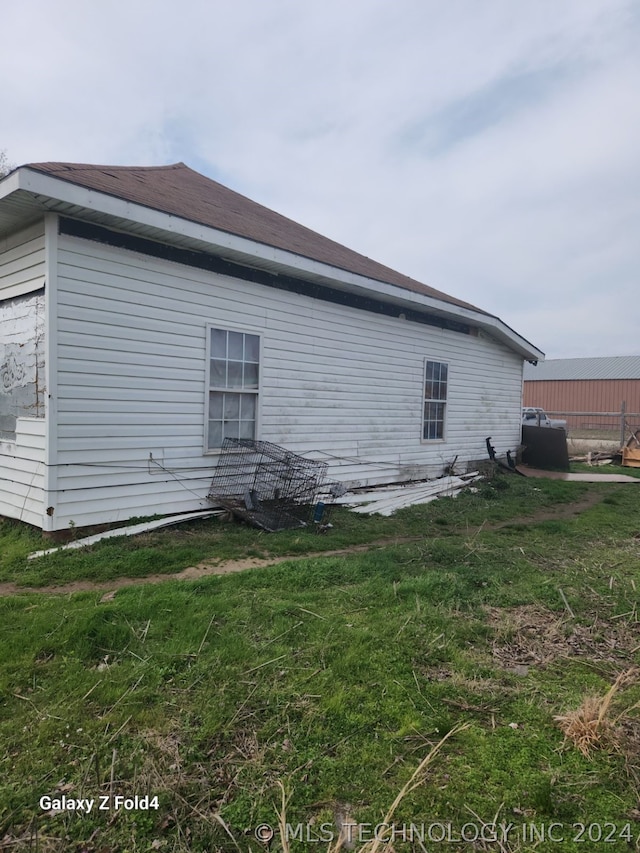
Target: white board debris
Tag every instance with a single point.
(386, 500)
(133, 530)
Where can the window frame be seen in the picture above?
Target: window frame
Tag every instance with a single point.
(444, 401)
(209, 387)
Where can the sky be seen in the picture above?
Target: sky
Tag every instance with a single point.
(488, 148)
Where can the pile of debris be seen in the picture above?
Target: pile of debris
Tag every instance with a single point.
(385, 500)
(628, 455)
(631, 451)
(601, 457)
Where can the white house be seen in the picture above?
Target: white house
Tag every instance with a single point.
(146, 313)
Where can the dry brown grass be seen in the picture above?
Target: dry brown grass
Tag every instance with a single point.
(592, 725)
(535, 636)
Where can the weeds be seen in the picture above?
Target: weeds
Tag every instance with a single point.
(592, 726)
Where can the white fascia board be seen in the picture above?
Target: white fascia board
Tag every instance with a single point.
(10, 184)
(40, 184)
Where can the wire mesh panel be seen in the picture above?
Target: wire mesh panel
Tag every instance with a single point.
(265, 484)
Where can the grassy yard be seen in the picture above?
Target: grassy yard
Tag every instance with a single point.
(459, 632)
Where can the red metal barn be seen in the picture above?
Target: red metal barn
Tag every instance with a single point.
(593, 385)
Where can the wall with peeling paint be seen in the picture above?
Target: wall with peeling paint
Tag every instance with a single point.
(21, 361)
(22, 375)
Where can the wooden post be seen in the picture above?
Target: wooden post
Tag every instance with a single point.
(623, 411)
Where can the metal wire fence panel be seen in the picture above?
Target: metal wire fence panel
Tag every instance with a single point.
(266, 484)
(614, 426)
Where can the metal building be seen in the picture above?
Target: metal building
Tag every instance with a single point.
(584, 385)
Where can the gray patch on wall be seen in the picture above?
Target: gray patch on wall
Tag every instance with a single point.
(22, 390)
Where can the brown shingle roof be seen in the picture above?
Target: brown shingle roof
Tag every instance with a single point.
(180, 191)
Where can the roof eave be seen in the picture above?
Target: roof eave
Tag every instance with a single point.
(48, 192)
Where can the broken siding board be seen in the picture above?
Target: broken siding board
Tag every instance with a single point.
(412, 493)
(452, 492)
(132, 530)
(390, 493)
(414, 497)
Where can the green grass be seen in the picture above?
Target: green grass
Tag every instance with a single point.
(333, 675)
(169, 551)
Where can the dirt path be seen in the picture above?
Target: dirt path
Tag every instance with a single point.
(210, 567)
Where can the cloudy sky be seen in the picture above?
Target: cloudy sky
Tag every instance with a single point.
(489, 148)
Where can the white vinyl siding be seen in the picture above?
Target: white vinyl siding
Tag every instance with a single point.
(22, 267)
(336, 383)
(22, 472)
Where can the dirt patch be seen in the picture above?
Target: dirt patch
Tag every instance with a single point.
(201, 570)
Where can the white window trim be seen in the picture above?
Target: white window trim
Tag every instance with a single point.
(442, 440)
(229, 327)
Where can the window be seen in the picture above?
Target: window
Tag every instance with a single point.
(435, 400)
(234, 374)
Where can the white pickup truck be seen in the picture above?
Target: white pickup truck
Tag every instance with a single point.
(538, 417)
